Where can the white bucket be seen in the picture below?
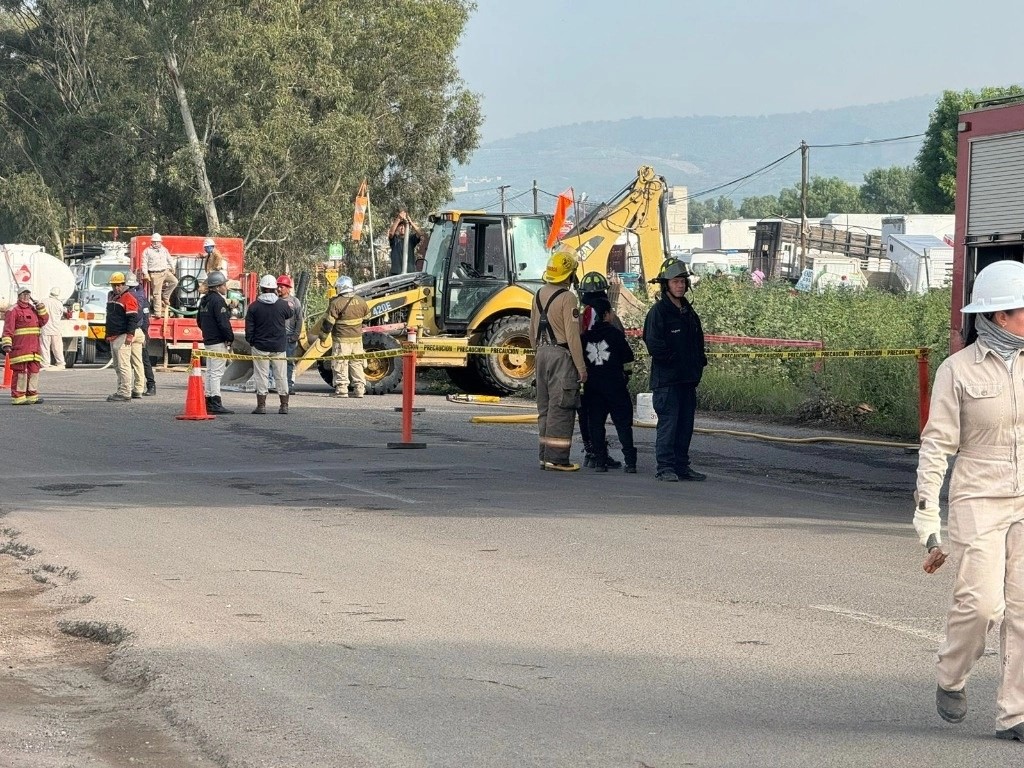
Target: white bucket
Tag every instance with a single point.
(645, 408)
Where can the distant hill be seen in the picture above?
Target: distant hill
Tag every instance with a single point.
(599, 158)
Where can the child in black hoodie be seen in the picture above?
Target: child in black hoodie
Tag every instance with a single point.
(609, 361)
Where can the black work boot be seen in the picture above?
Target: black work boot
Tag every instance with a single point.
(589, 459)
(629, 457)
(261, 404)
(952, 705)
(1012, 734)
(150, 390)
(215, 406)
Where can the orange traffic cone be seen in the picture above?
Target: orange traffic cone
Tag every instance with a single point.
(7, 373)
(195, 395)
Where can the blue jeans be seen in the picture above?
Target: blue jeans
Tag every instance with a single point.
(676, 407)
(290, 350)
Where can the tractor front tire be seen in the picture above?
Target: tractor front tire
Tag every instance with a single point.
(507, 372)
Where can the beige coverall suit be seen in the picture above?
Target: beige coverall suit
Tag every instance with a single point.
(977, 412)
(560, 365)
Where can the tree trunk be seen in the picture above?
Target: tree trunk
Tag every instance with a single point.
(194, 145)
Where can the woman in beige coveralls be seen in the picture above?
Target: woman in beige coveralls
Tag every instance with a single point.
(977, 412)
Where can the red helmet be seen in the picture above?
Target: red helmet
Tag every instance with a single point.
(285, 281)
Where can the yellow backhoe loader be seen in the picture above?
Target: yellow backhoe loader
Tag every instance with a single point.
(482, 272)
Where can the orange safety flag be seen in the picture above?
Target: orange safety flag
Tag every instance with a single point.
(562, 206)
(361, 204)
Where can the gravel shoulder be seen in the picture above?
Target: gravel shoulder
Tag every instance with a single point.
(56, 707)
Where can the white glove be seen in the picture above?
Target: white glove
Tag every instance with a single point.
(927, 524)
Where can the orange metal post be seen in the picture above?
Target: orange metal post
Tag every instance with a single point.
(408, 392)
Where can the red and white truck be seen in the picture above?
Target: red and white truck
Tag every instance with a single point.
(989, 221)
(174, 335)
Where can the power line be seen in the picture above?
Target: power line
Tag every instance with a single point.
(867, 142)
(763, 168)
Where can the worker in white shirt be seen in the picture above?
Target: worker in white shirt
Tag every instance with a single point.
(158, 271)
(51, 344)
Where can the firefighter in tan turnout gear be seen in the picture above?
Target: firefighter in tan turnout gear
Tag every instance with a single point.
(977, 414)
(344, 324)
(561, 367)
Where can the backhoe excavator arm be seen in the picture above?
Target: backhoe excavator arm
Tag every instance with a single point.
(640, 208)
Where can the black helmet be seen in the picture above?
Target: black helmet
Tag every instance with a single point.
(593, 282)
(671, 267)
(215, 278)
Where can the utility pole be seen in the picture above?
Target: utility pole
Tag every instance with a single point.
(501, 191)
(804, 159)
(536, 204)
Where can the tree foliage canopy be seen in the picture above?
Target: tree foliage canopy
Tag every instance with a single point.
(935, 181)
(293, 105)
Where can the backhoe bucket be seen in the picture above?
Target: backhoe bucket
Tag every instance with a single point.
(238, 372)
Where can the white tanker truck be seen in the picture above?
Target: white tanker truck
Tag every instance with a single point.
(31, 266)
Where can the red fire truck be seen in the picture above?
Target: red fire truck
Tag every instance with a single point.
(989, 199)
(175, 334)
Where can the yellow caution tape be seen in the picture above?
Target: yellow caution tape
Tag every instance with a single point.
(421, 349)
(820, 353)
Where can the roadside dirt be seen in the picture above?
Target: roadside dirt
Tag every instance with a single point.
(56, 708)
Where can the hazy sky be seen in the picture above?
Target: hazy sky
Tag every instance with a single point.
(543, 63)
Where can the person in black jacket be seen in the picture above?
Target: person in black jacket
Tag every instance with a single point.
(214, 319)
(593, 286)
(137, 291)
(266, 331)
(675, 341)
(609, 364)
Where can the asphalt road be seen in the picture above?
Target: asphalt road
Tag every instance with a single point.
(299, 595)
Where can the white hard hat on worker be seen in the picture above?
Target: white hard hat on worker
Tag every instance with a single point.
(999, 286)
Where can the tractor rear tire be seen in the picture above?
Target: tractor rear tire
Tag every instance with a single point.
(383, 375)
(506, 373)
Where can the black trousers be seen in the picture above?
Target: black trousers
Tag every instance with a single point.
(602, 402)
(147, 367)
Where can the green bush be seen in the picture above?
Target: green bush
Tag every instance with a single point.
(874, 394)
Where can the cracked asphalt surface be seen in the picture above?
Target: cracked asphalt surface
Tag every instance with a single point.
(294, 594)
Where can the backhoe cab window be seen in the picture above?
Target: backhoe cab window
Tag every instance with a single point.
(529, 249)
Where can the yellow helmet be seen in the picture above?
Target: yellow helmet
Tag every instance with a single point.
(561, 267)
(117, 278)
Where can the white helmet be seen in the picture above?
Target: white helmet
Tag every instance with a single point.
(999, 286)
(157, 238)
(208, 243)
(343, 285)
(268, 282)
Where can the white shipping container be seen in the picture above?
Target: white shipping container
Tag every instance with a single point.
(939, 225)
(920, 262)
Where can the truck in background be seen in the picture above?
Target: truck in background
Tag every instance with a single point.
(989, 214)
(92, 265)
(170, 338)
(30, 265)
(919, 263)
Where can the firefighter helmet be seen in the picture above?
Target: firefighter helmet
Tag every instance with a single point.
(343, 285)
(117, 278)
(593, 282)
(268, 283)
(285, 281)
(999, 286)
(215, 278)
(671, 267)
(561, 267)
